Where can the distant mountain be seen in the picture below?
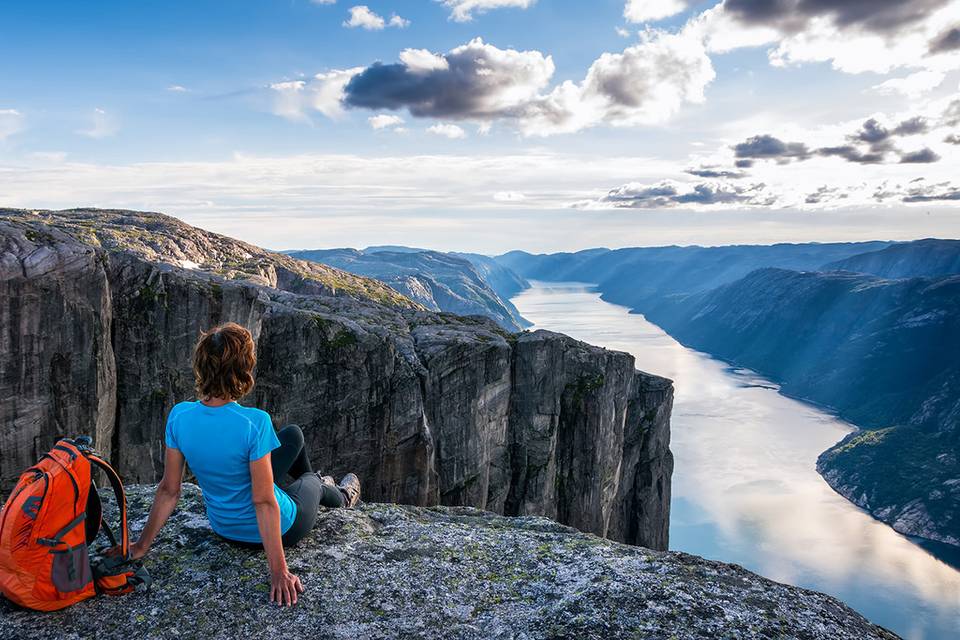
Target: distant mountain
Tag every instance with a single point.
(393, 248)
(438, 281)
(506, 282)
(928, 257)
(637, 277)
(882, 353)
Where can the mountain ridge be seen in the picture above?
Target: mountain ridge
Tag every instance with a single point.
(438, 281)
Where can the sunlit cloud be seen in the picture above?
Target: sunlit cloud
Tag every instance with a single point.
(447, 130)
(362, 17)
(914, 84)
(652, 10)
(297, 99)
(645, 84)
(384, 121)
(855, 37)
(464, 10)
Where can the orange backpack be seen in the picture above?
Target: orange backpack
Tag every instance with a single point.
(46, 527)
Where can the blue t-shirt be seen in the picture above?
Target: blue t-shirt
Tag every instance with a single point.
(219, 444)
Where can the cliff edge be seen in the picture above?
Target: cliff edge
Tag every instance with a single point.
(391, 572)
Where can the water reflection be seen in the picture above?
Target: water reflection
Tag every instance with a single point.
(745, 489)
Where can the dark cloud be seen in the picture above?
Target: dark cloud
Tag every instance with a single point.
(870, 144)
(851, 153)
(943, 191)
(720, 194)
(824, 194)
(872, 132)
(953, 138)
(475, 81)
(949, 40)
(951, 115)
(923, 156)
(875, 134)
(791, 16)
(918, 190)
(766, 147)
(668, 194)
(743, 164)
(912, 126)
(714, 172)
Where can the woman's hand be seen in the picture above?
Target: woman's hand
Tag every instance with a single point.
(136, 550)
(284, 587)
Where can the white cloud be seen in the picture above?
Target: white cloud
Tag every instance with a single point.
(176, 88)
(854, 37)
(447, 130)
(103, 125)
(463, 10)
(361, 16)
(349, 200)
(647, 83)
(914, 84)
(509, 196)
(384, 121)
(11, 122)
(304, 183)
(623, 33)
(652, 10)
(323, 1)
(294, 99)
(421, 60)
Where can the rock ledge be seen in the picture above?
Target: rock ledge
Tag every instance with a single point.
(390, 571)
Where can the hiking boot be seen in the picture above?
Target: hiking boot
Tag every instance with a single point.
(328, 480)
(350, 487)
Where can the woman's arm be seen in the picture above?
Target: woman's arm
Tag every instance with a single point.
(164, 504)
(284, 586)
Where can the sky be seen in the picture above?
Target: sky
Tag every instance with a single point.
(490, 125)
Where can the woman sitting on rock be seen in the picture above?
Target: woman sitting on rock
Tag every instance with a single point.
(236, 455)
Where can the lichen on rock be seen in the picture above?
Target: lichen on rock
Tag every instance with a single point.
(393, 571)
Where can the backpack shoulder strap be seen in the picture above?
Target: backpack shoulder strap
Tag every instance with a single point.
(121, 501)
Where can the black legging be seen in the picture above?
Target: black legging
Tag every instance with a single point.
(307, 491)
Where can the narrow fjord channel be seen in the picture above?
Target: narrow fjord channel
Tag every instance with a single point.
(745, 487)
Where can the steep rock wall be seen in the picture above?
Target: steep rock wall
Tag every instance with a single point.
(427, 408)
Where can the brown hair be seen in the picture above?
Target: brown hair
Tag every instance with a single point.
(223, 362)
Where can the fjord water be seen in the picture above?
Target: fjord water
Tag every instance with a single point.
(745, 487)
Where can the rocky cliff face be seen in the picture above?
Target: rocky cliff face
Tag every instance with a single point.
(100, 311)
(392, 572)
